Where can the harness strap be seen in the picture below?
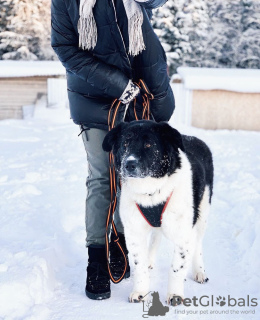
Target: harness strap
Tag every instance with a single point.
(150, 213)
(112, 114)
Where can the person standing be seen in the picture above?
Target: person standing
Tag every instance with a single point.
(106, 46)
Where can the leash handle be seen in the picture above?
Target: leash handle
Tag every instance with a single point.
(146, 96)
(112, 115)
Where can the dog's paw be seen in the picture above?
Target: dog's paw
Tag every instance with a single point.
(137, 296)
(174, 299)
(200, 277)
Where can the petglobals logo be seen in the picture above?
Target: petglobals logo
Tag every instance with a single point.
(207, 301)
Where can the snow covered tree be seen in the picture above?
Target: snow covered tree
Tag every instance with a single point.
(195, 24)
(25, 29)
(234, 39)
(224, 30)
(183, 26)
(168, 24)
(198, 33)
(248, 47)
(210, 33)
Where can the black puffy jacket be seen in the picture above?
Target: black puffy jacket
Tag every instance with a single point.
(96, 77)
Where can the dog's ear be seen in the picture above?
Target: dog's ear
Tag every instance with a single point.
(112, 137)
(171, 135)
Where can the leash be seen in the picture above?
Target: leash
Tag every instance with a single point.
(112, 115)
(146, 96)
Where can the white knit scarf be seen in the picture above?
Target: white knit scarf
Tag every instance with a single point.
(88, 30)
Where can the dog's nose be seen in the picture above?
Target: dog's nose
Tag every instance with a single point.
(131, 165)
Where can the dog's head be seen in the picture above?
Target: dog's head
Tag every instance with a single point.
(144, 149)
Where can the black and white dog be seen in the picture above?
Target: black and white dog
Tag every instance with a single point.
(166, 187)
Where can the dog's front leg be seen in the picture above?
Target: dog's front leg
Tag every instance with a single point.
(138, 255)
(178, 271)
(155, 240)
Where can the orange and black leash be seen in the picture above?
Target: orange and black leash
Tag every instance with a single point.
(146, 97)
(112, 115)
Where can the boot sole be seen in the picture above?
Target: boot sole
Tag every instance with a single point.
(98, 296)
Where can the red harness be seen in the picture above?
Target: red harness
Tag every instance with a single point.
(153, 215)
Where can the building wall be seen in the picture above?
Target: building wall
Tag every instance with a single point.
(219, 109)
(18, 92)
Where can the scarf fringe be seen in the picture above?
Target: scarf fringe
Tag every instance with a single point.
(87, 29)
(136, 41)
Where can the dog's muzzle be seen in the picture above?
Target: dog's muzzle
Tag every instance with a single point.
(130, 167)
(133, 167)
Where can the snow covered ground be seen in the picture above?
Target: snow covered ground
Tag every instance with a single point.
(42, 237)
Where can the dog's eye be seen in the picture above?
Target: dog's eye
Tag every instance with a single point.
(147, 145)
(126, 144)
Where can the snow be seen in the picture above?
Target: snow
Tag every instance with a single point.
(11, 68)
(42, 236)
(239, 80)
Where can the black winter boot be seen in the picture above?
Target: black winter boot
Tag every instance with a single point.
(98, 280)
(117, 261)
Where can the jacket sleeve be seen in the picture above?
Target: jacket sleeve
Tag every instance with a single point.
(163, 105)
(64, 40)
(151, 4)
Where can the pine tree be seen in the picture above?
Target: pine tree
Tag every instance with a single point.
(210, 33)
(182, 27)
(195, 25)
(199, 33)
(234, 39)
(25, 31)
(224, 32)
(248, 48)
(168, 24)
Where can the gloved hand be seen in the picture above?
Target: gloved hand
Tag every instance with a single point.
(130, 92)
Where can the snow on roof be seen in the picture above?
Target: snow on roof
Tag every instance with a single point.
(10, 68)
(240, 80)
